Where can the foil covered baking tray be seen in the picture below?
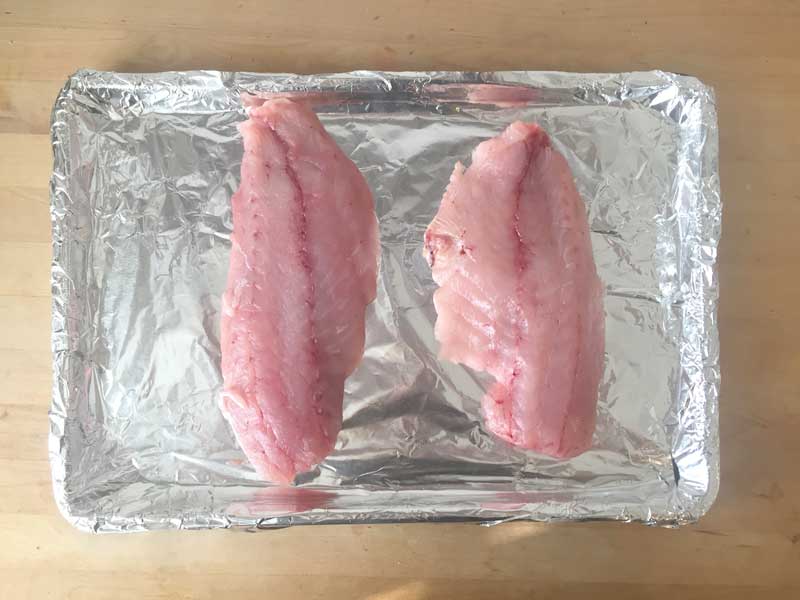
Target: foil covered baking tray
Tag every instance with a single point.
(145, 165)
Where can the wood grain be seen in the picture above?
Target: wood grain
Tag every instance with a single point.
(748, 546)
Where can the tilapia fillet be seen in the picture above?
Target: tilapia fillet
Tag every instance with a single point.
(519, 294)
(303, 268)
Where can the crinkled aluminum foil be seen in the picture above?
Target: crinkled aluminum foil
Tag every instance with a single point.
(144, 169)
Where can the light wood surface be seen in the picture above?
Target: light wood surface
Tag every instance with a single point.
(748, 546)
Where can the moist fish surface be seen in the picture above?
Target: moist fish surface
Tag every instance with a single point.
(519, 296)
(303, 268)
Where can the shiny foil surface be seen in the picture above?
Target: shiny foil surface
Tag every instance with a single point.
(145, 165)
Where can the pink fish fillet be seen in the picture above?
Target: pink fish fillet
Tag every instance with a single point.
(519, 295)
(303, 268)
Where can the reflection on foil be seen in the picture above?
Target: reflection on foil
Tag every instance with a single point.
(494, 95)
(144, 168)
(280, 502)
(315, 99)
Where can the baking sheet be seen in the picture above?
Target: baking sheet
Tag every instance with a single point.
(144, 167)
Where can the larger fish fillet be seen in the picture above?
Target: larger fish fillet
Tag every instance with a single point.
(519, 294)
(303, 268)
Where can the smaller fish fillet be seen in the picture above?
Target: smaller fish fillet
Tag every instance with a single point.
(519, 294)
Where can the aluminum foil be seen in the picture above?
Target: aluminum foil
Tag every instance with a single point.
(145, 165)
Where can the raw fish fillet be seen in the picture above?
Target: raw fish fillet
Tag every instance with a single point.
(303, 269)
(519, 295)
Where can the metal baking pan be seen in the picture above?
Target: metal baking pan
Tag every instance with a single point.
(144, 168)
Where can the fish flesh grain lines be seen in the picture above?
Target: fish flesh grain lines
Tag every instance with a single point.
(303, 268)
(519, 294)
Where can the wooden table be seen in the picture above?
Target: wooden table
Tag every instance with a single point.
(748, 546)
